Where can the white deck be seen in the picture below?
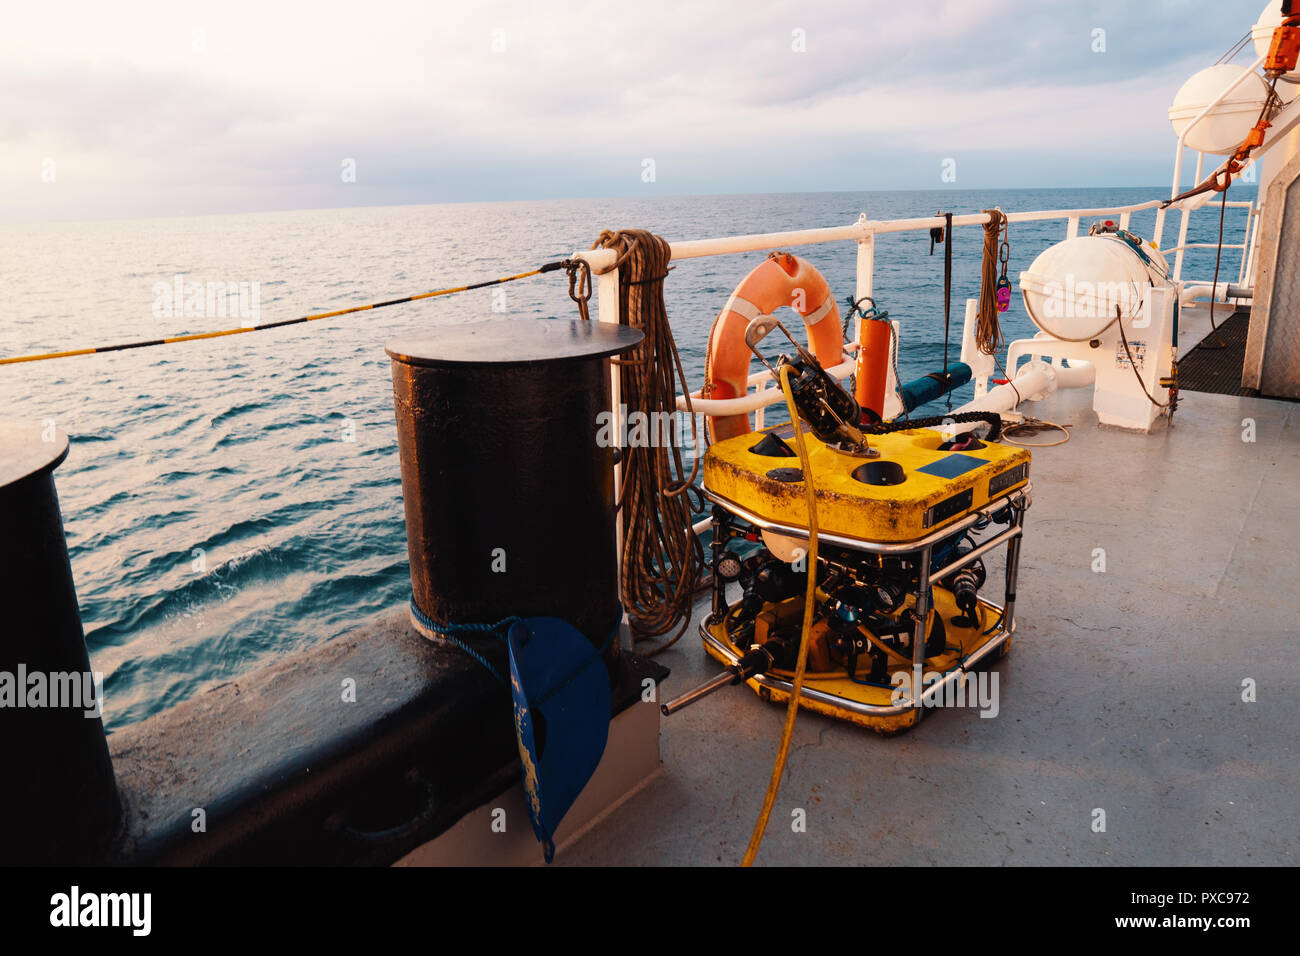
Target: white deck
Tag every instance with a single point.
(1123, 690)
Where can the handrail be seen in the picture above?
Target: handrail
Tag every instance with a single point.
(860, 231)
(1205, 245)
(863, 232)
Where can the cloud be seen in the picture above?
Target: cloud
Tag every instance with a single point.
(254, 106)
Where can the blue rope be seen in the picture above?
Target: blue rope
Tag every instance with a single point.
(499, 630)
(448, 632)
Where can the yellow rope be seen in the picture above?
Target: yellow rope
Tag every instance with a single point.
(266, 325)
(1034, 425)
(792, 711)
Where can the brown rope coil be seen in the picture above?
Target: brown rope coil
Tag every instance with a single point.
(988, 332)
(662, 561)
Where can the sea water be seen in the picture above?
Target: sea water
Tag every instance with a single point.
(232, 500)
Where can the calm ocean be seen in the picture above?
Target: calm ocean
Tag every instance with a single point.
(229, 501)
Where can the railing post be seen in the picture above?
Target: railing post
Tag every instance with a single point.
(866, 273)
(605, 289)
(1253, 240)
(1182, 224)
(1245, 243)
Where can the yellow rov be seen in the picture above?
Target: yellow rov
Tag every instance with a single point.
(898, 620)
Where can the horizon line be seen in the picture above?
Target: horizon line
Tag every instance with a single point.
(686, 195)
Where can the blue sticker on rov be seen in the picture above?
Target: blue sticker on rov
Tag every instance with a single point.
(950, 466)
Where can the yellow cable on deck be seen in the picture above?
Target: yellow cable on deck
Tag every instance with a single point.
(792, 710)
(549, 267)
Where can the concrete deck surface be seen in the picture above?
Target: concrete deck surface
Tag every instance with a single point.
(1123, 690)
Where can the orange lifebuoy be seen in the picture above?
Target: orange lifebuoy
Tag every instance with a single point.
(782, 280)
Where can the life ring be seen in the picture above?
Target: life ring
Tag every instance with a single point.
(779, 281)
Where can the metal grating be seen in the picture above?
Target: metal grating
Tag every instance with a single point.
(1209, 368)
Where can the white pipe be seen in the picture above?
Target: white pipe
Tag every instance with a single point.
(695, 248)
(1077, 375)
(981, 365)
(863, 231)
(1220, 293)
(1035, 380)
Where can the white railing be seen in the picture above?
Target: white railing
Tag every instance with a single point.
(1281, 125)
(1248, 237)
(863, 232)
(1187, 209)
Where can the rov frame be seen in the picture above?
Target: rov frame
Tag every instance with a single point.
(907, 712)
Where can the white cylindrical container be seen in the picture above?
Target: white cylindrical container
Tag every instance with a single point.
(1222, 129)
(1072, 289)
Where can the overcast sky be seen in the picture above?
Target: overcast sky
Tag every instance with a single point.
(173, 108)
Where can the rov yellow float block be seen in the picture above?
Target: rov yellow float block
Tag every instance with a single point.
(912, 490)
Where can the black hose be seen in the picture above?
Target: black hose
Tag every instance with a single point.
(993, 419)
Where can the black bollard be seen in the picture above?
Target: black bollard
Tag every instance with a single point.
(58, 797)
(509, 494)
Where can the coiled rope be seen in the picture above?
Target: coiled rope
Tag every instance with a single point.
(663, 561)
(988, 331)
(1032, 426)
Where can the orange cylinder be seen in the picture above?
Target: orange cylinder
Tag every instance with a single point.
(873, 367)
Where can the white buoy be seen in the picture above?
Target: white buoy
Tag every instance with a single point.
(1222, 129)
